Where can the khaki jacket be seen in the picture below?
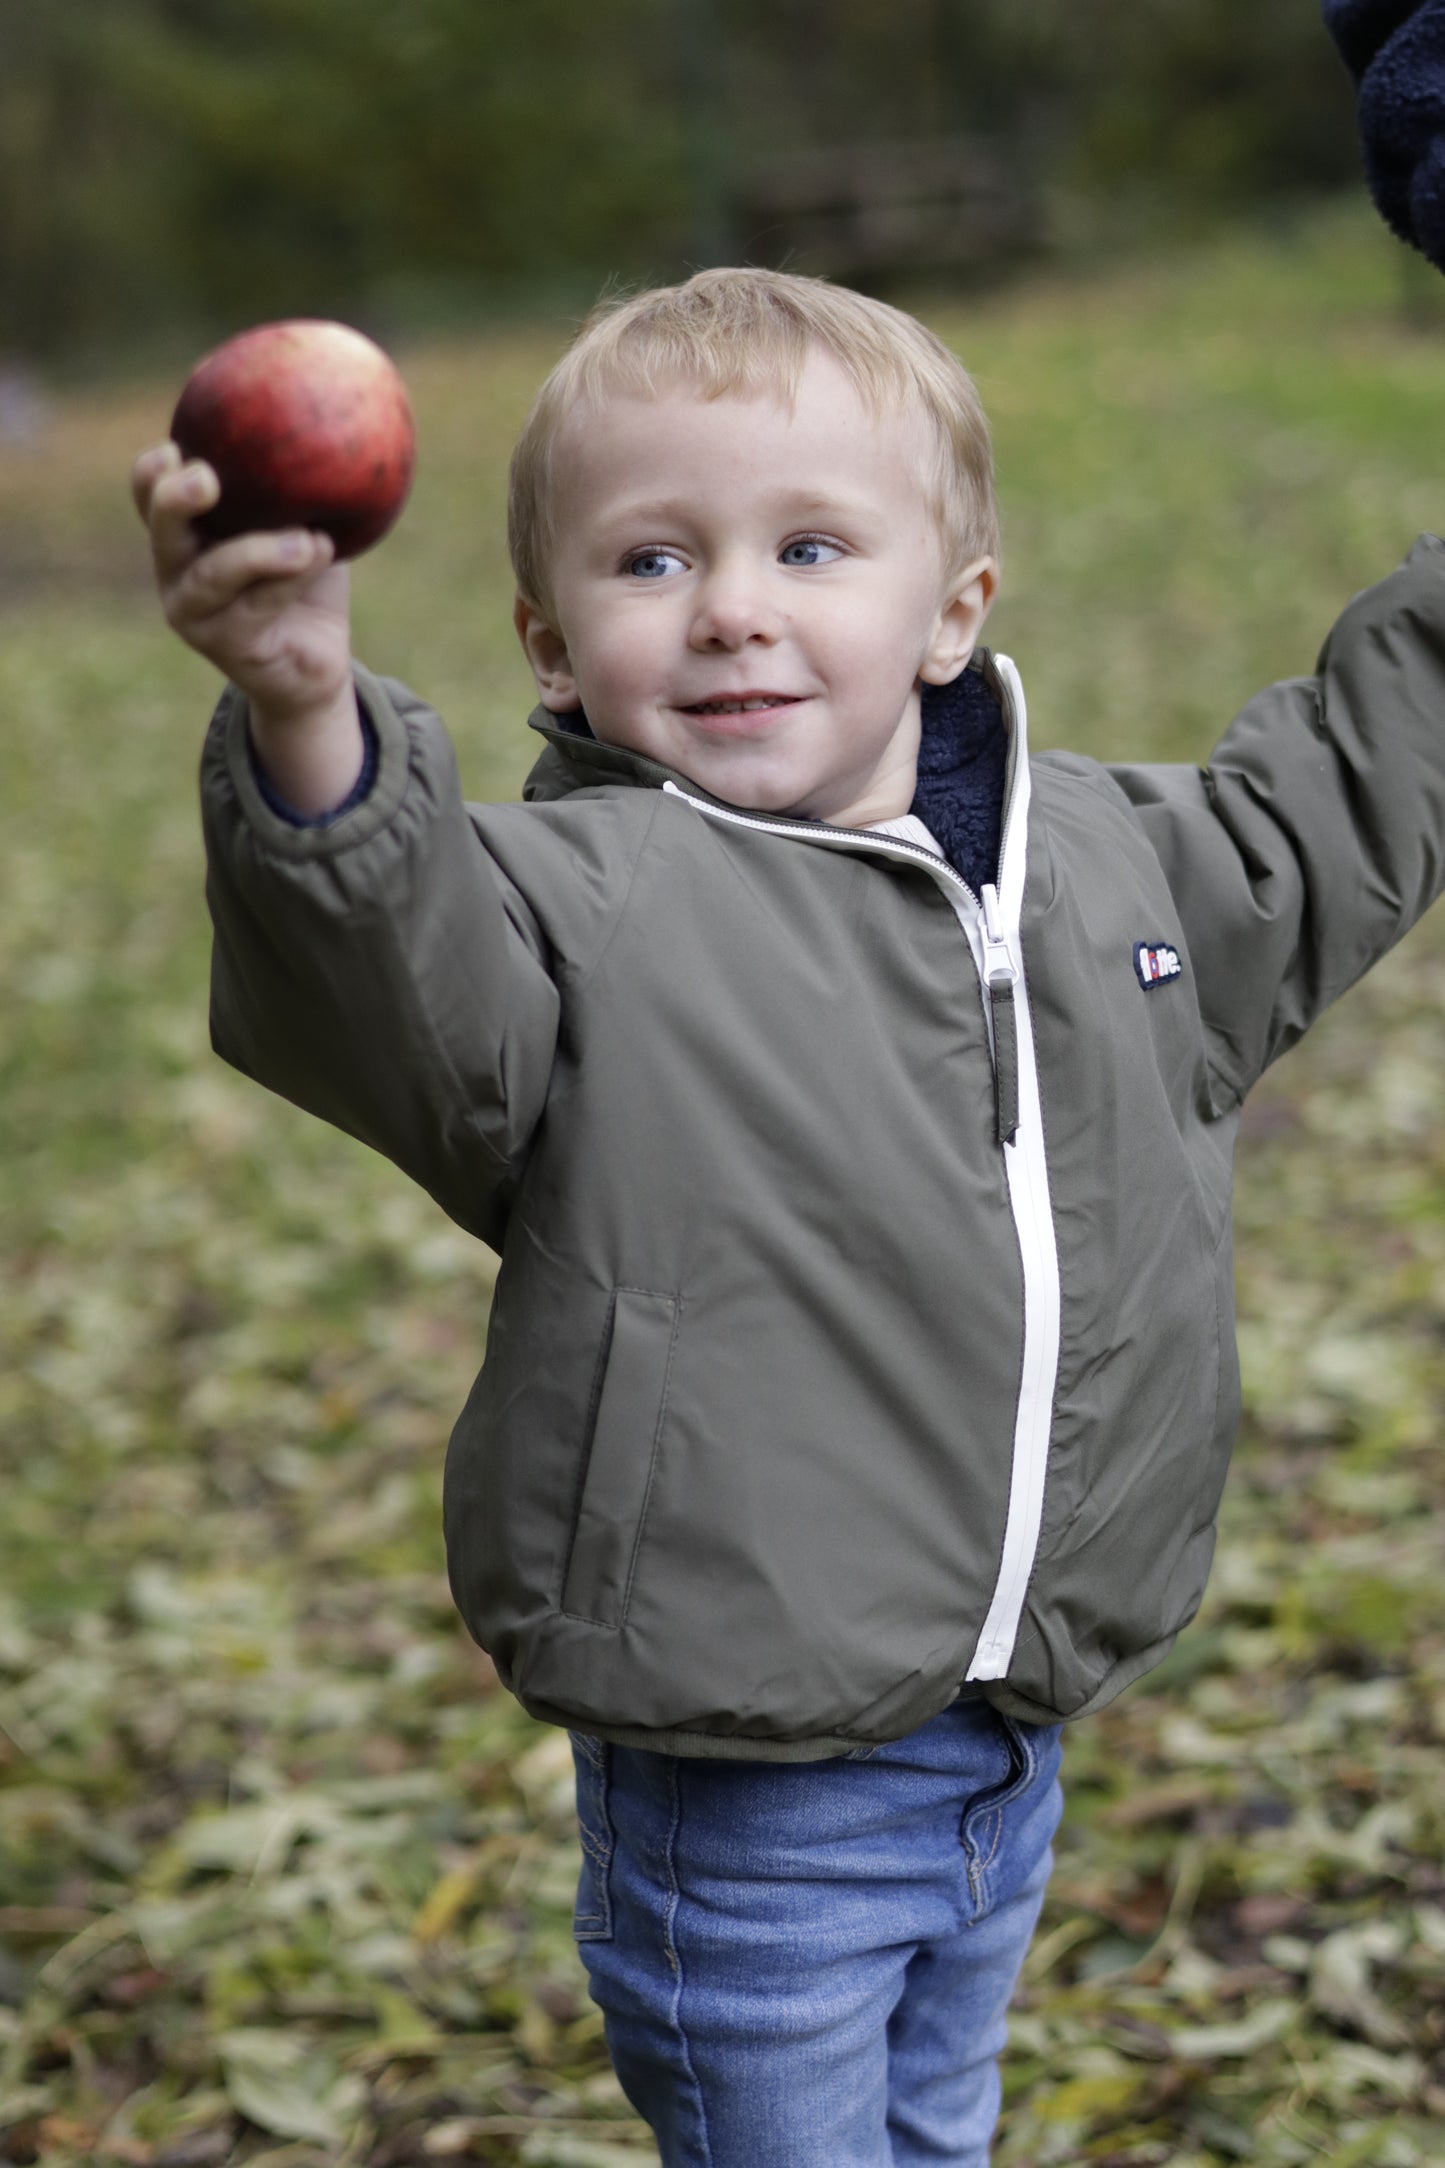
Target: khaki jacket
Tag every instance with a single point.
(864, 1323)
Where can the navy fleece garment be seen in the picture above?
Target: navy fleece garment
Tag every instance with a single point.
(962, 761)
(1395, 50)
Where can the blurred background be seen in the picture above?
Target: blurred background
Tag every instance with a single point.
(285, 1877)
(187, 166)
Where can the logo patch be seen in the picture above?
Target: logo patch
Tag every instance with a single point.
(1155, 964)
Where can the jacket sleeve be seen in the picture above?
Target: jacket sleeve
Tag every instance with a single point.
(1315, 838)
(380, 970)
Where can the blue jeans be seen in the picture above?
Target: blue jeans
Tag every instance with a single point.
(807, 1964)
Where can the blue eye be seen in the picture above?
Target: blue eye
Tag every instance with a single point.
(809, 549)
(652, 564)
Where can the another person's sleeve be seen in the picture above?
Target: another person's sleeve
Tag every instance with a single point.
(1315, 837)
(381, 970)
(1395, 53)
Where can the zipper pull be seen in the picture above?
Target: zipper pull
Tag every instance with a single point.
(1001, 973)
(998, 957)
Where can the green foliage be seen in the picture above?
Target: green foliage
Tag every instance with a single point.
(1196, 104)
(249, 158)
(332, 145)
(284, 1876)
(205, 163)
(1177, 101)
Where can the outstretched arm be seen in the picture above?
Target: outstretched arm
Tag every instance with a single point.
(378, 970)
(273, 613)
(372, 967)
(1315, 837)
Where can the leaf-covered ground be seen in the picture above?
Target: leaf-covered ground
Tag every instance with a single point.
(284, 1876)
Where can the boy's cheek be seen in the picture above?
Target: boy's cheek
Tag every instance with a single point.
(620, 676)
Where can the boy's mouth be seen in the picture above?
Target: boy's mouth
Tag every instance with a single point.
(747, 704)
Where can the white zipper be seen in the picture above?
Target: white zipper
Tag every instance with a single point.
(1026, 1165)
(992, 925)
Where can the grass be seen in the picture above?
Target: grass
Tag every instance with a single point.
(284, 1877)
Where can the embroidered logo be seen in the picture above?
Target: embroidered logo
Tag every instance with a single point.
(1155, 964)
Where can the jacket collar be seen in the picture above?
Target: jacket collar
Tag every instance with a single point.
(573, 759)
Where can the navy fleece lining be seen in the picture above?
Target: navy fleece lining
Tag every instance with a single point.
(962, 761)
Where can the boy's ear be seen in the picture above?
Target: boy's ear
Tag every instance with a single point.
(960, 621)
(546, 651)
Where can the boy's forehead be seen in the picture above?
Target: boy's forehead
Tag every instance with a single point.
(822, 384)
(623, 432)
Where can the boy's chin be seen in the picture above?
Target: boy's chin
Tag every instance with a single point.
(754, 777)
(755, 788)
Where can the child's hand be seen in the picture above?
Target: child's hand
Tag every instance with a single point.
(269, 610)
(272, 612)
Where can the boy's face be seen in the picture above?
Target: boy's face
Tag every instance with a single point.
(751, 596)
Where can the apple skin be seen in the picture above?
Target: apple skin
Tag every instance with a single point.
(307, 424)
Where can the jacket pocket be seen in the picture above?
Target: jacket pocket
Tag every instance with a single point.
(631, 1406)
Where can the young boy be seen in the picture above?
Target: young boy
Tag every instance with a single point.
(850, 1095)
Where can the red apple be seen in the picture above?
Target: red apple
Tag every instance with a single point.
(307, 424)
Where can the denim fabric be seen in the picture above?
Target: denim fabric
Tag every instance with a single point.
(807, 1964)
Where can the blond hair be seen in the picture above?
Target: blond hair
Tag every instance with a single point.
(746, 331)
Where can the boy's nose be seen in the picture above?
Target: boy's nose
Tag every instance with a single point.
(732, 611)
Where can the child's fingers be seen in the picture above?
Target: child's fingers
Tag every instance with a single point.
(178, 494)
(269, 568)
(150, 465)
